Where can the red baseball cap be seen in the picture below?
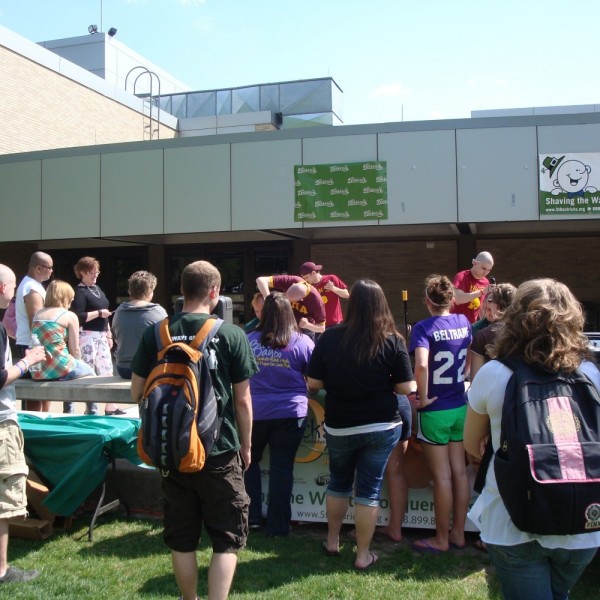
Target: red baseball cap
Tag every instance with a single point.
(309, 267)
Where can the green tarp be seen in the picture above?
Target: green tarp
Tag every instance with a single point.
(72, 453)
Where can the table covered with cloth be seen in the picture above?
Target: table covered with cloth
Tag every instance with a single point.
(73, 453)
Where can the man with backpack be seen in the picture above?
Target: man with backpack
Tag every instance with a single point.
(214, 496)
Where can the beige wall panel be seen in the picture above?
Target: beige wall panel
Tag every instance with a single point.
(497, 174)
(336, 149)
(262, 184)
(21, 200)
(132, 193)
(71, 197)
(197, 189)
(421, 169)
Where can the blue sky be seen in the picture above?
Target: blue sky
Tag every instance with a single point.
(395, 60)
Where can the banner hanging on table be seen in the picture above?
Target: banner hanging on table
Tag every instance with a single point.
(341, 192)
(569, 184)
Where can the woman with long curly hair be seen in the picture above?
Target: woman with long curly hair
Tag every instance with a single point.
(544, 328)
(362, 364)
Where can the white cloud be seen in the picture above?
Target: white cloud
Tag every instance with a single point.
(389, 90)
(191, 3)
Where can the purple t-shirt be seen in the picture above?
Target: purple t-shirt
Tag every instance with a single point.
(279, 388)
(447, 338)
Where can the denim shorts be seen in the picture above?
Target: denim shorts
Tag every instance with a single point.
(358, 461)
(13, 471)
(214, 498)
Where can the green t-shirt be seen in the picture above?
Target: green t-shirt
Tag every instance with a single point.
(235, 363)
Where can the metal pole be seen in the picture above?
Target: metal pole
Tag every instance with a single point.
(405, 302)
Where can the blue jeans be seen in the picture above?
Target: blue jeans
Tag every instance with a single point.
(81, 370)
(531, 572)
(361, 457)
(283, 437)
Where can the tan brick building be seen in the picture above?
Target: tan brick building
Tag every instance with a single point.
(77, 177)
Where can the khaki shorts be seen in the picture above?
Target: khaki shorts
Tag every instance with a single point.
(13, 471)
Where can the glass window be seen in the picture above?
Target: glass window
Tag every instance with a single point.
(270, 263)
(224, 102)
(165, 103)
(178, 106)
(201, 104)
(269, 98)
(306, 97)
(245, 100)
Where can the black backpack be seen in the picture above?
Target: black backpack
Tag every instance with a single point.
(548, 463)
(180, 411)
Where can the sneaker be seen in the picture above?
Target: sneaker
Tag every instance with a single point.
(14, 575)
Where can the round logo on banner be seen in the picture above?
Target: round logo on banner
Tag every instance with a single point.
(313, 444)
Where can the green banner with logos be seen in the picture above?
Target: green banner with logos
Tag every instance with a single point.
(341, 192)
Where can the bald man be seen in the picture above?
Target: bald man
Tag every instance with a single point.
(13, 499)
(470, 287)
(29, 299)
(30, 296)
(306, 302)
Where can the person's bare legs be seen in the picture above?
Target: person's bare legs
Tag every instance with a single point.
(461, 492)
(365, 519)
(336, 511)
(3, 546)
(186, 573)
(439, 463)
(220, 575)
(397, 490)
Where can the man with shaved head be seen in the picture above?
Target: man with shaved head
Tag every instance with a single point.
(13, 469)
(306, 301)
(29, 299)
(31, 294)
(471, 285)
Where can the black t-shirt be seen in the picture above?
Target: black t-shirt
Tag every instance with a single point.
(483, 338)
(359, 394)
(88, 299)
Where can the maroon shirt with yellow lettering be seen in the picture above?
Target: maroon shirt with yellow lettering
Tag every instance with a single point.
(310, 307)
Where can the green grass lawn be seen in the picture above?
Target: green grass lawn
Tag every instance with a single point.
(128, 559)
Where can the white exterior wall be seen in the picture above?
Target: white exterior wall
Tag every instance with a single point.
(245, 182)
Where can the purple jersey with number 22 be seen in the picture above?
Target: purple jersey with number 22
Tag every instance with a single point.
(447, 338)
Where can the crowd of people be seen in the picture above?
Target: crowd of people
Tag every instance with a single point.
(444, 386)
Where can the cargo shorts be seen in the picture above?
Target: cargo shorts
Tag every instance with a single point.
(13, 471)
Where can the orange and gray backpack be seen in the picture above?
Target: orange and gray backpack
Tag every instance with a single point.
(180, 409)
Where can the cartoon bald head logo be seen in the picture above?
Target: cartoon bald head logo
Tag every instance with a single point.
(572, 176)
